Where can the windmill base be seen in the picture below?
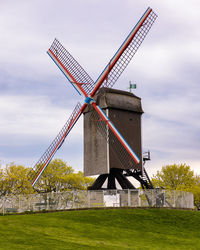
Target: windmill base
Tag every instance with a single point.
(121, 176)
(115, 174)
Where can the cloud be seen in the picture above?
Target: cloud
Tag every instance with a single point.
(29, 123)
(31, 115)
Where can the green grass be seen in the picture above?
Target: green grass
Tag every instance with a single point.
(102, 229)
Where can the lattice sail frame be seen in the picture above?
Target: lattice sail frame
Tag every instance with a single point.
(123, 56)
(42, 163)
(75, 70)
(129, 52)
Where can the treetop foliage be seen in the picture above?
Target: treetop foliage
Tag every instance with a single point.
(178, 177)
(57, 177)
(175, 177)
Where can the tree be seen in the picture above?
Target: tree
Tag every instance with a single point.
(77, 181)
(53, 177)
(196, 191)
(14, 180)
(1, 182)
(176, 177)
(58, 176)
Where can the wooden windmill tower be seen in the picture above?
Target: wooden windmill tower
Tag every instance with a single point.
(108, 159)
(123, 161)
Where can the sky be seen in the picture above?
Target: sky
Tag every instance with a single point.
(36, 99)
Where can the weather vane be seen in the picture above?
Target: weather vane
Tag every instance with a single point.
(131, 86)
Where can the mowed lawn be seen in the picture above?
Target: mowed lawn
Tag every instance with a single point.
(102, 229)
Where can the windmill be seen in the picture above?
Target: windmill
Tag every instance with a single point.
(85, 86)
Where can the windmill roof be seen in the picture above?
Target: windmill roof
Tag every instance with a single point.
(117, 99)
(116, 91)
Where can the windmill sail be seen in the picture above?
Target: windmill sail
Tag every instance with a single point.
(43, 162)
(125, 53)
(70, 67)
(129, 52)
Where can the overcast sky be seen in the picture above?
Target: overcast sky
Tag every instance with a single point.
(36, 99)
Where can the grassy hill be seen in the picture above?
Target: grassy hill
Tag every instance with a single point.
(102, 229)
